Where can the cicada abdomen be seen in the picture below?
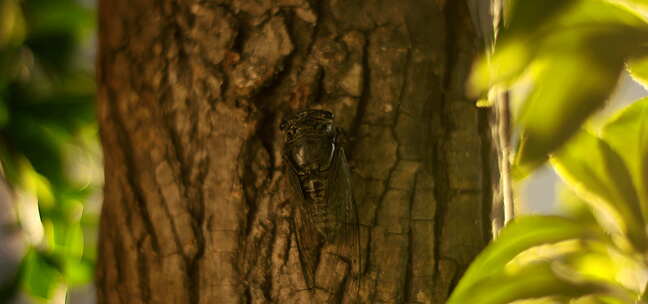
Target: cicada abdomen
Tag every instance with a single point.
(320, 177)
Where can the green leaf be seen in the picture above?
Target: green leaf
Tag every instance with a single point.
(67, 111)
(521, 234)
(41, 276)
(639, 6)
(535, 280)
(518, 44)
(526, 16)
(627, 134)
(12, 23)
(545, 300)
(56, 16)
(564, 97)
(534, 31)
(573, 54)
(598, 174)
(638, 68)
(574, 206)
(78, 272)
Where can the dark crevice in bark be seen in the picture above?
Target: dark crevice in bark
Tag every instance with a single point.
(455, 276)
(409, 268)
(131, 169)
(192, 192)
(136, 190)
(246, 178)
(487, 172)
(363, 100)
(266, 284)
(119, 258)
(193, 272)
(143, 271)
(442, 193)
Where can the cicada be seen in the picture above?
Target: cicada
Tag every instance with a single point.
(318, 172)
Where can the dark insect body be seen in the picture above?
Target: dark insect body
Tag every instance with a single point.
(320, 178)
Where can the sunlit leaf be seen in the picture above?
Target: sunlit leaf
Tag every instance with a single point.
(521, 234)
(627, 134)
(30, 180)
(78, 271)
(638, 68)
(598, 174)
(639, 6)
(602, 261)
(575, 206)
(545, 300)
(536, 280)
(600, 299)
(74, 241)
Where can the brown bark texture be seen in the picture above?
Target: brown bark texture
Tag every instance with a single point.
(197, 207)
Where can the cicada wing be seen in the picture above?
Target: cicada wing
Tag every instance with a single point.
(341, 203)
(306, 236)
(293, 180)
(308, 244)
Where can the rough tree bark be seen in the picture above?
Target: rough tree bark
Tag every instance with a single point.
(191, 95)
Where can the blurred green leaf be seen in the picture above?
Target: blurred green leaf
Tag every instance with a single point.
(575, 206)
(535, 280)
(526, 16)
(59, 16)
(638, 68)
(573, 51)
(639, 6)
(544, 300)
(41, 144)
(560, 27)
(513, 52)
(69, 112)
(561, 101)
(4, 113)
(46, 119)
(521, 234)
(78, 271)
(598, 174)
(627, 134)
(41, 275)
(12, 23)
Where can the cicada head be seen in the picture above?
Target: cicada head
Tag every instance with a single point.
(309, 142)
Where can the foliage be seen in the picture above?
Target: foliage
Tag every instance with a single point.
(48, 138)
(566, 57)
(597, 253)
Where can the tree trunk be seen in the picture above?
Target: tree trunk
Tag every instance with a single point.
(197, 208)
